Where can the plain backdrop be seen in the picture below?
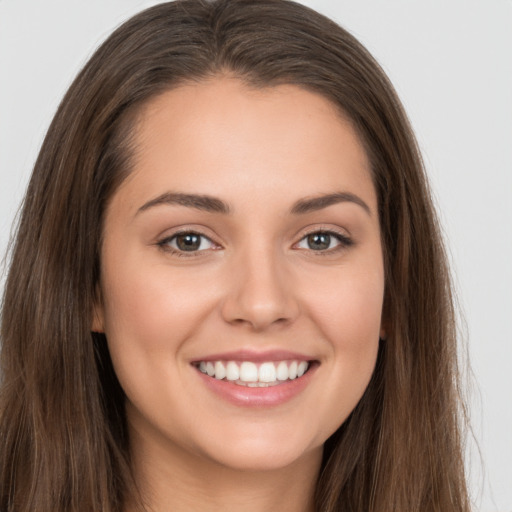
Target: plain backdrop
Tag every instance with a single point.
(451, 63)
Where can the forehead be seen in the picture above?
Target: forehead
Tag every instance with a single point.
(222, 137)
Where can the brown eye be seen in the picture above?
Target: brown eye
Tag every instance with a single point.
(187, 241)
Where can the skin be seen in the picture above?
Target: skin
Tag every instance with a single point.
(254, 284)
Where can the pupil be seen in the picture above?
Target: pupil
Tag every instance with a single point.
(319, 241)
(188, 242)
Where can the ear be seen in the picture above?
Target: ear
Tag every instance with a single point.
(98, 321)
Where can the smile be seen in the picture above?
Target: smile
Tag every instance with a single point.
(250, 374)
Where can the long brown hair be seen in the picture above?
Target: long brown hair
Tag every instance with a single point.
(63, 438)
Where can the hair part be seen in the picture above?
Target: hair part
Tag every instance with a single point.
(63, 437)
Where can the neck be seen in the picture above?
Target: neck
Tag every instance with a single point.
(171, 479)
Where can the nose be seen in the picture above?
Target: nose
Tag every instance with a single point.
(260, 293)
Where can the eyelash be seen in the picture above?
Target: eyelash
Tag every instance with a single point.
(344, 242)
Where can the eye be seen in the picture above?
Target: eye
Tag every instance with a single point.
(324, 241)
(187, 241)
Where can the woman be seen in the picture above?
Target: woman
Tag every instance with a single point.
(228, 288)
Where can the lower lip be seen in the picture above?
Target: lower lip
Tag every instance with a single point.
(270, 396)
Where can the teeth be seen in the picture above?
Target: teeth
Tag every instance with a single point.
(232, 371)
(302, 367)
(250, 374)
(267, 373)
(210, 369)
(292, 372)
(220, 370)
(283, 372)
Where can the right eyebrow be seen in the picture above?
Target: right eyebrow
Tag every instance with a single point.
(197, 201)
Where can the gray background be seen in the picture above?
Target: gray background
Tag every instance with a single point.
(451, 62)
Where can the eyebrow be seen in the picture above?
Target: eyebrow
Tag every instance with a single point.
(200, 202)
(318, 203)
(214, 205)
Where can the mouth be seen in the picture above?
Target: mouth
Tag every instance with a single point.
(254, 374)
(248, 378)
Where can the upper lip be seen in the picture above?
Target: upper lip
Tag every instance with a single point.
(254, 356)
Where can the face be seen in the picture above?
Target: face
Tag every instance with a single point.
(242, 275)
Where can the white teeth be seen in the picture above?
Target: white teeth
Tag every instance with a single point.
(210, 369)
(301, 369)
(282, 371)
(220, 370)
(267, 372)
(292, 371)
(232, 371)
(250, 374)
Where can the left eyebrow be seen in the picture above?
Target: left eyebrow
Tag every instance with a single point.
(318, 203)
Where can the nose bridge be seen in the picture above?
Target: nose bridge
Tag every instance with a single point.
(260, 293)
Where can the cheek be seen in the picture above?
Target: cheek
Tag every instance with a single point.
(349, 309)
(349, 317)
(150, 313)
(152, 306)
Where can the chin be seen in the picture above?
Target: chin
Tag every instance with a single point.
(261, 452)
(254, 458)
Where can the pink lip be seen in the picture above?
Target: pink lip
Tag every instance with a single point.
(271, 396)
(255, 357)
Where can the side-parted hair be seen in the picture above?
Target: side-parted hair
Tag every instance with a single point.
(63, 435)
